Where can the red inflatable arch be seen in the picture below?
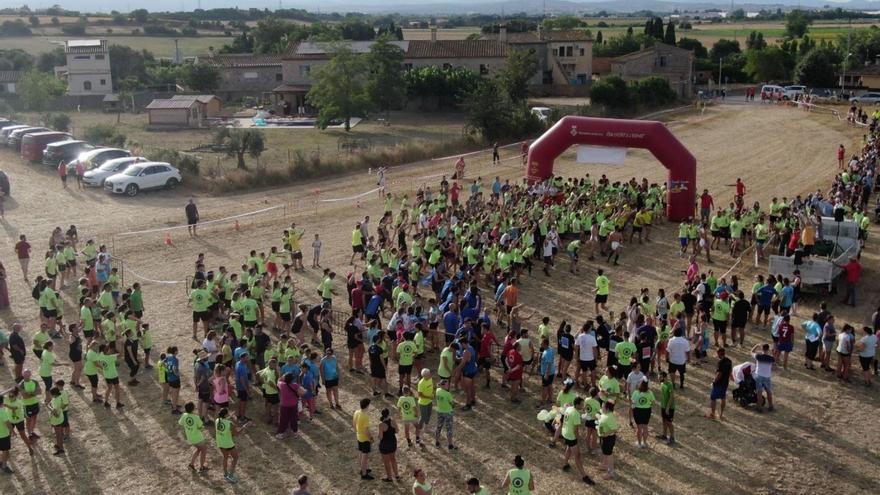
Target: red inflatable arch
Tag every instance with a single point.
(649, 135)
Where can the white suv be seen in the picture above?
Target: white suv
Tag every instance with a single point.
(792, 91)
(143, 176)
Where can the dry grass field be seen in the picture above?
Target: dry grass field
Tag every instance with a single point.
(162, 47)
(821, 439)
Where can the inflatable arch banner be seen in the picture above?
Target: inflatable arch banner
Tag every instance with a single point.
(650, 135)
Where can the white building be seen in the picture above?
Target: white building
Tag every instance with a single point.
(88, 67)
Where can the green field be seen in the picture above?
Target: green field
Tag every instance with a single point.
(160, 46)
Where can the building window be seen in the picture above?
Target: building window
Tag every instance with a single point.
(87, 85)
(484, 69)
(279, 77)
(251, 75)
(662, 61)
(568, 51)
(82, 57)
(555, 52)
(582, 52)
(407, 66)
(103, 82)
(305, 70)
(99, 57)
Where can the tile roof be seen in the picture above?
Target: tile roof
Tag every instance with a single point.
(534, 37)
(11, 76)
(234, 60)
(85, 46)
(198, 98)
(456, 49)
(656, 47)
(170, 104)
(311, 50)
(868, 70)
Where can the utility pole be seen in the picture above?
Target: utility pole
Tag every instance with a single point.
(176, 52)
(720, 64)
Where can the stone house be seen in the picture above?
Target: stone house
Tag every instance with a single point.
(172, 113)
(675, 65)
(88, 67)
(245, 75)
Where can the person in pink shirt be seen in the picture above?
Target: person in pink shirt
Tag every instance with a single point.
(80, 172)
(288, 417)
(62, 173)
(693, 270)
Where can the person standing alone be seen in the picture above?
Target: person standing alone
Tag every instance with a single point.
(192, 217)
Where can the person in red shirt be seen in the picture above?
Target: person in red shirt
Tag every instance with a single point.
(740, 187)
(786, 341)
(484, 355)
(453, 193)
(62, 173)
(356, 300)
(514, 373)
(23, 251)
(853, 274)
(841, 154)
(706, 206)
(524, 149)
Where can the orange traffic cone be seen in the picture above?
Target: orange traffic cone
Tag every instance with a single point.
(168, 241)
(236, 226)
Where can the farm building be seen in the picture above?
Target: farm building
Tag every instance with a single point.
(243, 75)
(9, 79)
(673, 64)
(175, 113)
(209, 105)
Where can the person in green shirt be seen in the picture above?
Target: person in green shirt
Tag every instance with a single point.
(667, 408)
(592, 408)
(474, 487)
(624, 350)
(571, 421)
(268, 379)
(642, 401)
(13, 405)
(225, 432)
(47, 361)
(444, 414)
(607, 427)
(325, 289)
(405, 353)
(200, 300)
(720, 315)
(5, 437)
(518, 481)
(409, 413)
(192, 425)
(136, 300)
(107, 363)
(425, 396)
(56, 419)
(572, 250)
(40, 340)
(30, 398)
(603, 290)
(87, 319)
(357, 244)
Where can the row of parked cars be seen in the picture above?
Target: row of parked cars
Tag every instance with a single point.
(113, 169)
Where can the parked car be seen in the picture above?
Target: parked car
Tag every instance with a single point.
(14, 138)
(543, 113)
(772, 92)
(64, 150)
(33, 145)
(7, 130)
(96, 176)
(869, 98)
(790, 92)
(4, 183)
(94, 158)
(143, 176)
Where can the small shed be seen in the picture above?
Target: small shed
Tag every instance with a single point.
(9, 79)
(210, 105)
(175, 113)
(111, 103)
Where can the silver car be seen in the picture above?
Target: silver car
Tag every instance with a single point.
(869, 98)
(96, 177)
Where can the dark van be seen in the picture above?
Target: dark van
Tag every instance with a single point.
(33, 145)
(64, 150)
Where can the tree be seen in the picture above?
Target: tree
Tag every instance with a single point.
(385, 83)
(657, 30)
(488, 109)
(669, 37)
(796, 23)
(16, 59)
(629, 31)
(514, 78)
(723, 48)
(201, 77)
(446, 87)
(140, 16)
(738, 15)
(563, 22)
(104, 135)
(755, 41)
(241, 142)
(58, 121)
(695, 46)
(47, 61)
(34, 20)
(39, 89)
(769, 64)
(599, 38)
(611, 92)
(339, 88)
(818, 68)
(357, 30)
(128, 62)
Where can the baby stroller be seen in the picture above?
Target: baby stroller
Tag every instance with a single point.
(747, 392)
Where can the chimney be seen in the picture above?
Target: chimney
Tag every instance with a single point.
(433, 34)
(502, 33)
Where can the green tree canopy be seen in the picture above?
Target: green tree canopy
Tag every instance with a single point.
(39, 89)
(723, 48)
(563, 22)
(695, 46)
(386, 86)
(769, 64)
(201, 77)
(241, 142)
(818, 68)
(339, 88)
(514, 78)
(796, 23)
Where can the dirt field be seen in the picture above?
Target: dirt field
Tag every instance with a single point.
(162, 47)
(821, 439)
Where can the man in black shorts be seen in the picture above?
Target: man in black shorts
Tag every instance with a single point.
(17, 350)
(192, 217)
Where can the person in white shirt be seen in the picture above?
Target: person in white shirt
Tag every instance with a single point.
(587, 349)
(678, 355)
(867, 347)
(763, 371)
(633, 380)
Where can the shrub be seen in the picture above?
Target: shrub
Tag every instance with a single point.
(188, 164)
(610, 92)
(74, 30)
(57, 121)
(104, 135)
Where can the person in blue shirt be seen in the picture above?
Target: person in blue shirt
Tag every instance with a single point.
(241, 349)
(786, 295)
(765, 299)
(451, 322)
(172, 378)
(242, 386)
(373, 306)
(548, 372)
(496, 187)
(329, 370)
(291, 366)
(307, 380)
(812, 337)
(467, 366)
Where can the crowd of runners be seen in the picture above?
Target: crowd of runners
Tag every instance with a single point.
(429, 309)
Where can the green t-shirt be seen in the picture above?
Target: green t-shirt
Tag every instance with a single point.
(426, 391)
(110, 370)
(201, 300)
(47, 359)
(446, 356)
(407, 406)
(603, 285)
(607, 425)
(269, 381)
(667, 401)
(571, 418)
(249, 309)
(444, 400)
(720, 309)
(609, 385)
(40, 339)
(30, 387)
(642, 400)
(592, 408)
(88, 321)
(223, 430)
(519, 481)
(406, 350)
(192, 425)
(56, 405)
(15, 409)
(563, 398)
(625, 352)
(89, 367)
(5, 418)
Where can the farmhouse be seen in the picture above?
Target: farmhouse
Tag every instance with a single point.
(88, 68)
(673, 64)
(243, 75)
(178, 113)
(867, 77)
